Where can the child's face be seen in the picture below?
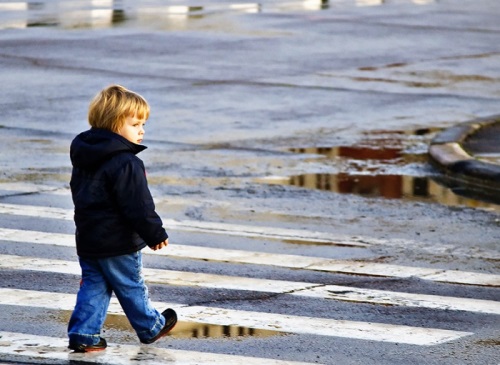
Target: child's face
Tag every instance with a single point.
(133, 129)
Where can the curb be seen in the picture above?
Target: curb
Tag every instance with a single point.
(447, 153)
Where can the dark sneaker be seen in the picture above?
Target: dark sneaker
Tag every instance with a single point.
(78, 347)
(170, 321)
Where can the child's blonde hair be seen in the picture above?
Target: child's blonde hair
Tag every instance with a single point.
(109, 108)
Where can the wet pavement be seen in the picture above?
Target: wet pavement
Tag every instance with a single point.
(277, 116)
(275, 75)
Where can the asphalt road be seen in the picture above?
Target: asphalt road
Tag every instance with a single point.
(287, 155)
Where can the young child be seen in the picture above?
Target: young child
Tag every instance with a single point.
(115, 219)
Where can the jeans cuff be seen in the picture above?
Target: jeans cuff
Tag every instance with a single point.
(149, 334)
(84, 339)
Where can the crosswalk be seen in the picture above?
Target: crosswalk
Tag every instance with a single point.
(343, 293)
(15, 345)
(280, 260)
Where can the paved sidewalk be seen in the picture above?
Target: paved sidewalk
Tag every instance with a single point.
(470, 153)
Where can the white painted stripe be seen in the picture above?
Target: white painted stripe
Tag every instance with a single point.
(383, 297)
(279, 260)
(342, 293)
(40, 348)
(27, 188)
(156, 276)
(36, 211)
(259, 320)
(198, 226)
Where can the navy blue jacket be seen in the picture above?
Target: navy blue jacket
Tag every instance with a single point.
(114, 211)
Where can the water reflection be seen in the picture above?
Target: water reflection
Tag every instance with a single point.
(374, 183)
(109, 13)
(385, 186)
(190, 330)
(196, 330)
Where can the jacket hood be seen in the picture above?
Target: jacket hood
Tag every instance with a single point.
(93, 147)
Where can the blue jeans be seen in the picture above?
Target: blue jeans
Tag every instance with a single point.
(100, 277)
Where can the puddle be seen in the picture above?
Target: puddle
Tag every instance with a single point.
(196, 330)
(112, 13)
(381, 166)
(184, 329)
(386, 186)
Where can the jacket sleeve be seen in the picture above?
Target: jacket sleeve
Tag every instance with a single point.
(133, 198)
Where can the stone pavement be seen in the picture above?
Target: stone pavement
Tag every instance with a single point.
(470, 153)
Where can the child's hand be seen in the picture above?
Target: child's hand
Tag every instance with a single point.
(160, 245)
